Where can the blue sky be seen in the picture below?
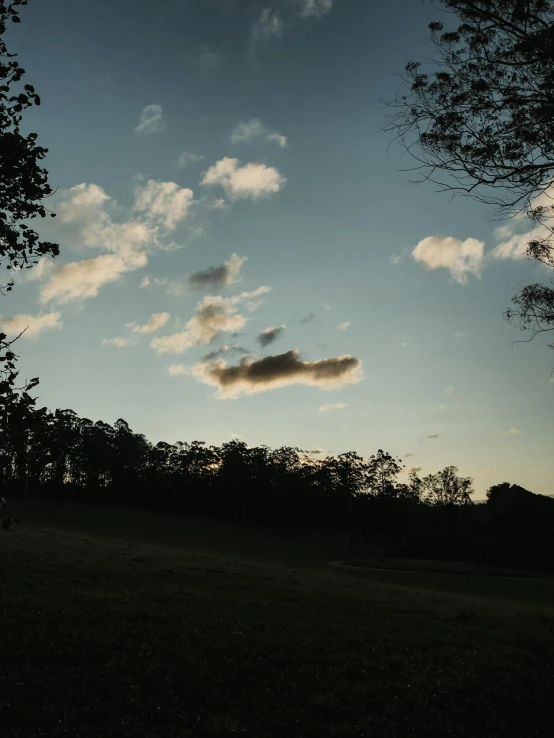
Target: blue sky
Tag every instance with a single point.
(182, 133)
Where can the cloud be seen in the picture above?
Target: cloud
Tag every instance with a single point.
(33, 325)
(253, 181)
(267, 25)
(164, 202)
(344, 326)
(186, 158)
(89, 218)
(511, 432)
(208, 61)
(460, 334)
(414, 469)
(214, 315)
(449, 390)
(235, 348)
(307, 318)
(119, 342)
(460, 258)
(395, 259)
(315, 8)
(254, 128)
(249, 377)
(220, 275)
(176, 370)
(432, 437)
(151, 120)
(407, 456)
(83, 279)
(333, 406)
(327, 306)
(154, 323)
(270, 335)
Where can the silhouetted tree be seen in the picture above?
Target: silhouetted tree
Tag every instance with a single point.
(23, 187)
(480, 120)
(447, 488)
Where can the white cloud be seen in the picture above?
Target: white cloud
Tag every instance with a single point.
(254, 181)
(163, 201)
(326, 306)
(332, 406)
(511, 432)
(344, 326)
(214, 315)
(87, 219)
(151, 120)
(33, 325)
(315, 8)
(119, 342)
(268, 24)
(459, 257)
(395, 259)
(186, 158)
(460, 334)
(254, 128)
(154, 323)
(176, 370)
(82, 279)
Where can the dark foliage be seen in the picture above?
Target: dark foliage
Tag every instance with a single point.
(60, 456)
(480, 120)
(23, 187)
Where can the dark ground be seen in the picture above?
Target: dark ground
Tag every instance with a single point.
(137, 630)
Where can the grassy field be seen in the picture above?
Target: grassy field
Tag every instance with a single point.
(103, 634)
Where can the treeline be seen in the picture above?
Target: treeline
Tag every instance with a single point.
(61, 456)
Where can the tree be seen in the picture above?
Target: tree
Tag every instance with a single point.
(447, 488)
(23, 187)
(482, 123)
(382, 470)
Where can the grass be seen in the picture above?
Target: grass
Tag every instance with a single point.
(111, 636)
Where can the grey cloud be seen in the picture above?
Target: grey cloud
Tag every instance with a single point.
(414, 469)
(432, 437)
(218, 353)
(269, 335)
(307, 318)
(279, 371)
(220, 275)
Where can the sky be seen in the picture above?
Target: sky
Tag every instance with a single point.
(243, 254)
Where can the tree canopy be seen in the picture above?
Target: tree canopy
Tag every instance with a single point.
(479, 120)
(23, 188)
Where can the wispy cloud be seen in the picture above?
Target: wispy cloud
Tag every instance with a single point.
(164, 202)
(449, 390)
(119, 342)
(218, 353)
(254, 128)
(269, 23)
(414, 469)
(511, 432)
(460, 258)
(214, 315)
(332, 406)
(151, 120)
(344, 326)
(270, 335)
(432, 437)
(208, 60)
(154, 323)
(248, 181)
(249, 377)
(33, 325)
(186, 158)
(315, 8)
